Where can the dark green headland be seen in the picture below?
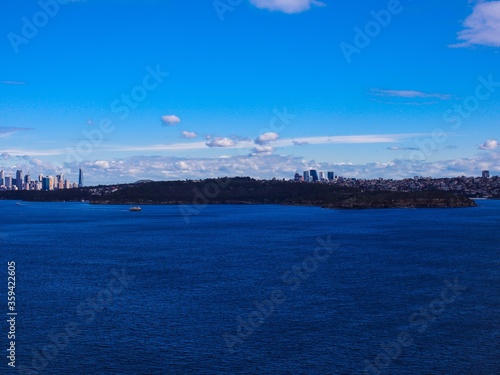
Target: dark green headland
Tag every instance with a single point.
(244, 190)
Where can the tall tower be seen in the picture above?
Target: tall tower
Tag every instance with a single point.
(2, 178)
(19, 179)
(80, 178)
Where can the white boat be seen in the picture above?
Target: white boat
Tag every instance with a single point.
(135, 209)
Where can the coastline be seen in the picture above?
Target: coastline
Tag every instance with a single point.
(246, 191)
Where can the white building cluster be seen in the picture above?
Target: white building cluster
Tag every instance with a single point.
(47, 183)
(314, 176)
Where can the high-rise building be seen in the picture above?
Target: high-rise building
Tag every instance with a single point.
(8, 182)
(296, 177)
(48, 183)
(331, 176)
(306, 176)
(45, 183)
(321, 176)
(2, 178)
(19, 179)
(486, 174)
(314, 175)
(80, 178)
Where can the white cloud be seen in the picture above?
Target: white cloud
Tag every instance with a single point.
(102, 164)
(6, 131)
(286, 6)
(186, 134)
(262, 151)
(170, 119)
(266, 138)
(221, 142)
(490, 144)
(297, 143)
(482, 27)
(12, 83)
(349, 139)
(396, 148)
(408, 94)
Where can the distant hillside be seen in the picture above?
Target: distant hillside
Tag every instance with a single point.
(244, 190)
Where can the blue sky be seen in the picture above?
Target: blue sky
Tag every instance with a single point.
(171, 89)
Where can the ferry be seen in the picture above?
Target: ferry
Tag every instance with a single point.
(136, 209)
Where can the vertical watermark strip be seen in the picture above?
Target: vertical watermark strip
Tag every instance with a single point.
(11, 313)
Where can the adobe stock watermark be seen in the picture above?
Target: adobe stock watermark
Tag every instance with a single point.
(31, 26)
(456, 116)
(372, 29)
(223, 6)
(86, 314)
(292, 279)
(122, 107)
(419, 321)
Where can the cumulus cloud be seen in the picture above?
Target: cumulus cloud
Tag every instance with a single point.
(482, 27)
(186, 134)
(170, 120)
(221, 142)
(262, 151)
(101, 164)
(490, 144)
(266, 138)
(287, 6)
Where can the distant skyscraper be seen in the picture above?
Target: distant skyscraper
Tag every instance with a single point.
(2, 178)
(8, 182)
(19, 179)
(331, 176)
(80, 178)
(296, 177)
(314, 175)
(321, 176)
(306, 176)
(48, 183)
(486, 174)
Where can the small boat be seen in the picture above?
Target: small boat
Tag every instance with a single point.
(18, 203)
(136, 209)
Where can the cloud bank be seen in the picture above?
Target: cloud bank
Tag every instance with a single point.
(269, 166)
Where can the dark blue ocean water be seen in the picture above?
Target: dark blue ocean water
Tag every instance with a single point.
(252, 290)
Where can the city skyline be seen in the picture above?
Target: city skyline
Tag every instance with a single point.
(317, 85)
(41, 182)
